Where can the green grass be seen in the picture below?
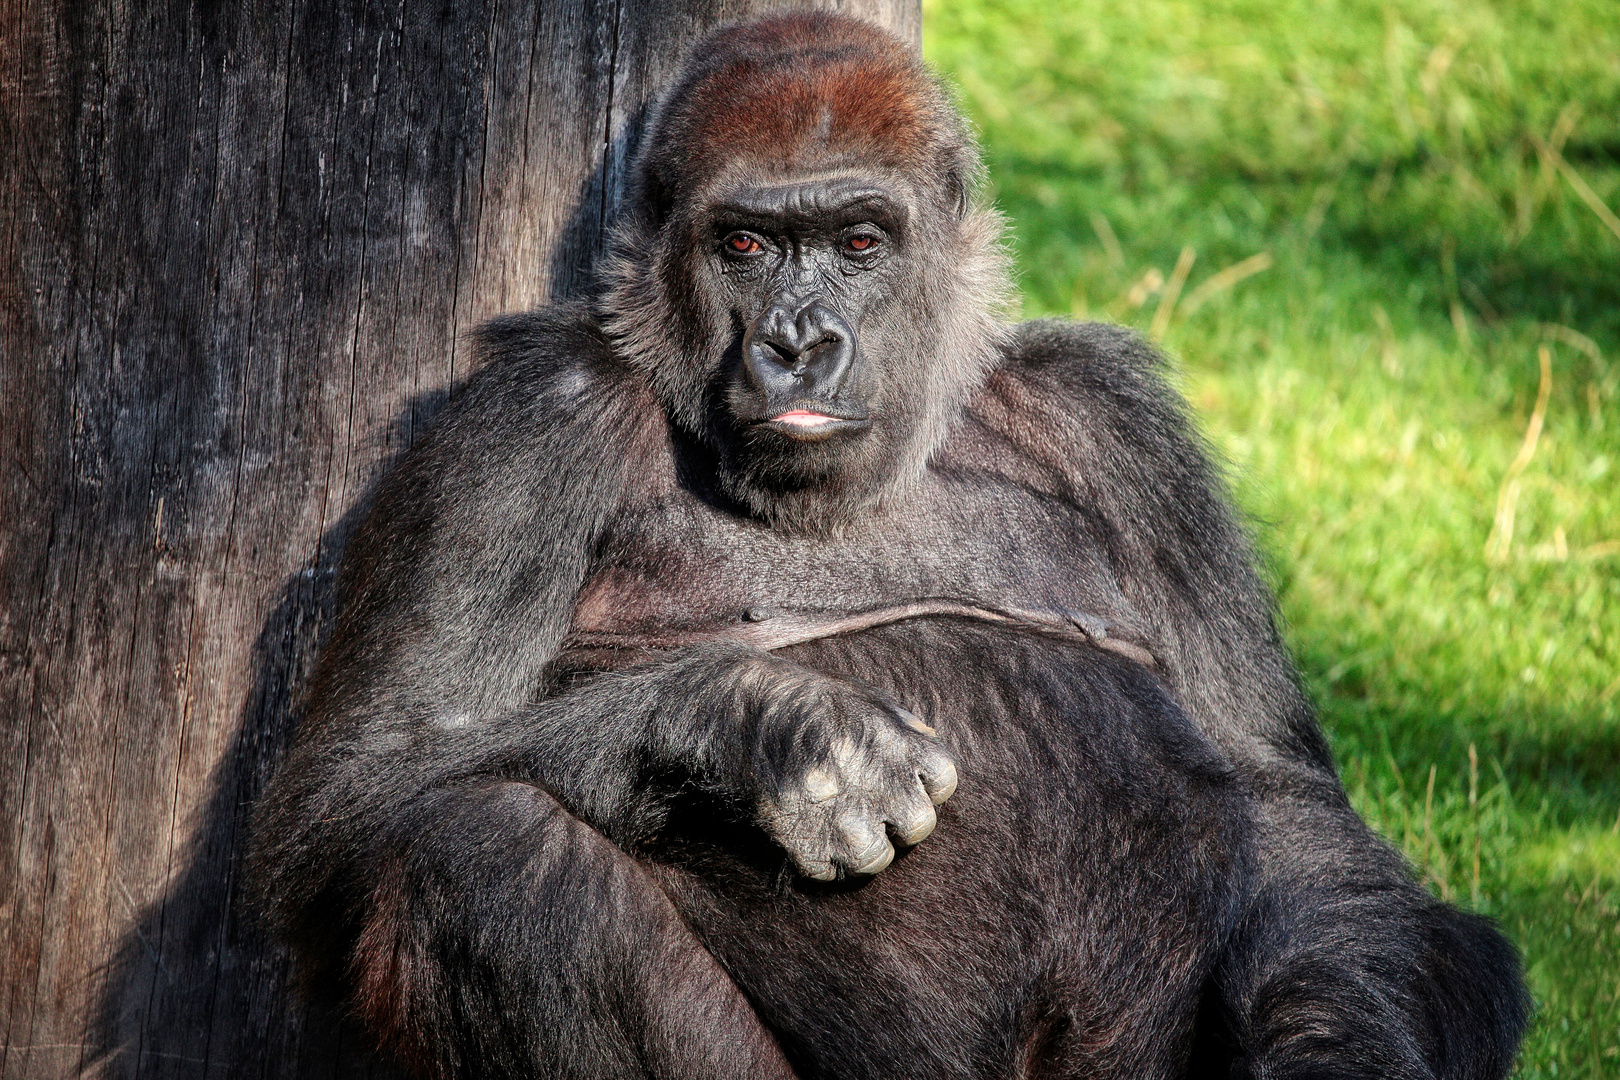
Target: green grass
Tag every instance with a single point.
(1408, 170)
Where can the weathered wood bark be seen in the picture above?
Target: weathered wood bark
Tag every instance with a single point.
(242, 244)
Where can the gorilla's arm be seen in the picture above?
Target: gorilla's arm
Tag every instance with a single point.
(483, 924)
(455, 591)
(1345, 966)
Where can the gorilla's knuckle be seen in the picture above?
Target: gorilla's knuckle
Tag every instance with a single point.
(820, 784)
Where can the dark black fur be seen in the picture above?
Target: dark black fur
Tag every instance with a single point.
(518, 865)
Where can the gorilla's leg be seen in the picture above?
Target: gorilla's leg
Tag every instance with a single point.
(1345, 967)
(504, 937)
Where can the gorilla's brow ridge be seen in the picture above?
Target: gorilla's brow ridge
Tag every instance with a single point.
(809, 202)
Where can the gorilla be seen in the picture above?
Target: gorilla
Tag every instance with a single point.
(779, 666)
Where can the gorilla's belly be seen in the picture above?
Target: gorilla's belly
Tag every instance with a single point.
(1063, 917)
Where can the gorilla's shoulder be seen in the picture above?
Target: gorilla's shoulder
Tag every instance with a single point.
(1091, 402)
(548, 348)
(1094, 368)
(548, 365)
(1083, 350)
(549, 404)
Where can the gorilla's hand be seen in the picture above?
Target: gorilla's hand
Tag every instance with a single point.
(835, 763)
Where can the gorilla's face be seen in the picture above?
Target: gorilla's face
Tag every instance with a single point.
(800, 269)
(803, 279)
(817, 328)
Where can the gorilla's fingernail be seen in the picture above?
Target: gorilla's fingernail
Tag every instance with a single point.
(759, 614)
(913, 721)
(919, 830)
(877, 862)
(820, 785)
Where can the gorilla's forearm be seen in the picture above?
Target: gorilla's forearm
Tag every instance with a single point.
(693, 719)
(821, 764)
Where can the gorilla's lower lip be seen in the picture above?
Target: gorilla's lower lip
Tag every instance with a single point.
(803, 418)
(807, 425)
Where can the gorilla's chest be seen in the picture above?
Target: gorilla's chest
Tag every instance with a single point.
(676, 564)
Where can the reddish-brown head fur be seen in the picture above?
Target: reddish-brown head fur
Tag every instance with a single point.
(801, 93)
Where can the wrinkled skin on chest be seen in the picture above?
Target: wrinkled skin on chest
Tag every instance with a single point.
(674, 563)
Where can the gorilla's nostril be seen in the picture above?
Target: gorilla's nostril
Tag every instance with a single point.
(790, 353)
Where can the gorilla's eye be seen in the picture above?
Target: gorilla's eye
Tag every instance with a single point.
(861, 242)
(743, 244)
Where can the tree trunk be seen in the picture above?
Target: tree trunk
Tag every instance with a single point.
(242, 245)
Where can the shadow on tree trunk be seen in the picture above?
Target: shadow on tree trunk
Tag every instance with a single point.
(196, 987)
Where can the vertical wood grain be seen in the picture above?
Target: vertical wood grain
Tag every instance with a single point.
(242, 246)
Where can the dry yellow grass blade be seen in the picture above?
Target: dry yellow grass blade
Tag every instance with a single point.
(1577, 340)
(1136, 294)
(1552, 155)
(1109, 239)
(1222, 280)
(1529, 202)
(1500, 542)
(1172, 293)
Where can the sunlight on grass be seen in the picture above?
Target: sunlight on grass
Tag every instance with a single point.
(1580, 857)
(1354, 227)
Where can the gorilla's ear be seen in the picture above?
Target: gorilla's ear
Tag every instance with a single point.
(961, 169)
(956, 188)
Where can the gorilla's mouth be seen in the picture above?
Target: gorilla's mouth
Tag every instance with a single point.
(811, 425)
(803, 418)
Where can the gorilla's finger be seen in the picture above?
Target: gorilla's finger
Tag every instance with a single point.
(914, 819)
(866, 840)
(938, 775)
(816, 869)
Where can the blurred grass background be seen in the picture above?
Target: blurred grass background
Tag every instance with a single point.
(1378, 240)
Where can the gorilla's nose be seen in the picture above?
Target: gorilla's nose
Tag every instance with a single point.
(795, 352)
